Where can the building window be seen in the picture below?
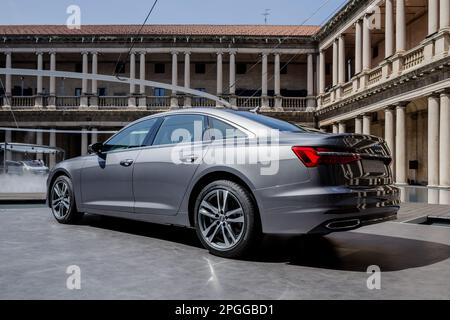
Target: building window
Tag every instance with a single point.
(78, 67)
(375, 52)
(160, 68)
(283, 68)
(77, 92)
(160, 92)
(101, 92)
(120, 68)
(200, 68)
(327, 69)
(241, 68)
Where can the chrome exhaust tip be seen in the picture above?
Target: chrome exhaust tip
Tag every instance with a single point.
(343, 224)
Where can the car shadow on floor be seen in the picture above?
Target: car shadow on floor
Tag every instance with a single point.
(350, 251)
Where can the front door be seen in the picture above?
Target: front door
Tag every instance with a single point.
(106, 178)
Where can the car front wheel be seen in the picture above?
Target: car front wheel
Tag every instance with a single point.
(226, 219)
(62, 201)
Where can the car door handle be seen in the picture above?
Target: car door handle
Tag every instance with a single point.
(126, 163)
(190, 158)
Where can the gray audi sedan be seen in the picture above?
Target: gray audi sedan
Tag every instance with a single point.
(231, 175)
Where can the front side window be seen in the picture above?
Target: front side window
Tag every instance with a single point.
(131, 137)
(180, 128)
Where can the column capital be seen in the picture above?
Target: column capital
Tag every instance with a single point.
(84, 52)
(389, 108)
(7, 52)
(401, 104)
(142, 52)
(94, 52)
(219, 52)
(232, 52)
(39, 52)
(187, 53)
(174, 52)
(51, 52)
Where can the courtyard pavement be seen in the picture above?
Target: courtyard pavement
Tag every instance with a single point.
(122, 259)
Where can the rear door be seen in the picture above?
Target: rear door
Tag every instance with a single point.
(164, 170)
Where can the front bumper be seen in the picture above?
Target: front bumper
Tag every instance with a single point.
(296, 209)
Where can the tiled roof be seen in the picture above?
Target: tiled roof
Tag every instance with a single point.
(161, 30)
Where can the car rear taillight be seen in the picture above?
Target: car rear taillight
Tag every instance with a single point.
(312, 157)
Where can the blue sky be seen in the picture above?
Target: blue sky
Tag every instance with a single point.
(168, 11)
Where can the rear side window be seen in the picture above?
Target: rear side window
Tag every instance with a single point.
(272, 123)
(180, 128)
(222, 130)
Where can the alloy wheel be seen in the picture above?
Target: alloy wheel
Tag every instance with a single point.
(221, 219)
(60, 199)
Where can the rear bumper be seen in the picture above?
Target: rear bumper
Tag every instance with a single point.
(295, 209)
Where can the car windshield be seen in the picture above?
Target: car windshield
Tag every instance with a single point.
(272, 122)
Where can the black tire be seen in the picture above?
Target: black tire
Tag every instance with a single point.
(251, 230)
(63, 214)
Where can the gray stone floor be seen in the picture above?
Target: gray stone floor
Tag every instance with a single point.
(122, 259)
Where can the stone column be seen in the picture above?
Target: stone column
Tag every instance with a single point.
(433, 16)
(219, 79)
(264, 100)
(52, 90)
(389, 132)
(132, 96)
(94, 135)
(310, 83)
(322, 72)
(335, 128)
(341, 127)
(187, 78)
(367, 44)
(444, 138)
(400, 145)
(39, 141)
(341, 55)
(38, 102)
(442, 43)
(84, 81)
(142, 103)
(277, 88)
(400, 23)
(8, 82)
(174, 98)
(8, 138)
(366, 123)
(84, 141)
(433, 140)
(444, 16)
(389, 29)
(52, 143)
(335, 63)
(232, 77)
(358, 125)
(358, 46)
(94, 89)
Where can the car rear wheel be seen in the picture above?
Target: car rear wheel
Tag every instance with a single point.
(226, 219)
(62, 201)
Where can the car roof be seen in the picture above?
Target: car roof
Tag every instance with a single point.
(224, 113)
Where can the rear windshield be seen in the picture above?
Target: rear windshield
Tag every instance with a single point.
(272, 122)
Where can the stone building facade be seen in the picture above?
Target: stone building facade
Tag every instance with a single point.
(376, 67)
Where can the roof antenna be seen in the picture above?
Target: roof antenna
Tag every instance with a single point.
(266, 14)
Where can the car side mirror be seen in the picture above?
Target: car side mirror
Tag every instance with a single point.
(95, 147)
